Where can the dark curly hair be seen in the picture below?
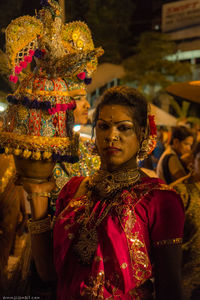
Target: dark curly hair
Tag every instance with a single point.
(180, 133)
(125, 96)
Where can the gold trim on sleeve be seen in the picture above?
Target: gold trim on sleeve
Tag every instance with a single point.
(176, 241)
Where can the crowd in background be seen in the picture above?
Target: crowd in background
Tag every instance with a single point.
(176, 160)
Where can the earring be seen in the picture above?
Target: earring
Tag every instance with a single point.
(144, 149)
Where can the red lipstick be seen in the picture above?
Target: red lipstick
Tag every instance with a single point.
(112, 150)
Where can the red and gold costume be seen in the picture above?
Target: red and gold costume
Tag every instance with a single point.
(110, 255)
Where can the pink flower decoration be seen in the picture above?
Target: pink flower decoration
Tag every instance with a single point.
(81, 75)
(31, 52)
(23, 64)
(58, 107)
(18, 69)
(11, 78)
(15, 79)
(62, 107)
(52, 111)
(28, 59)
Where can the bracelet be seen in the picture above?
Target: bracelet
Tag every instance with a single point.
(43, 194)
(39, 226)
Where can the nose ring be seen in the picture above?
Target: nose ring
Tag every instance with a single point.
(114, 139)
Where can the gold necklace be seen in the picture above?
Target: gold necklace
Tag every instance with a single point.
(106, 184)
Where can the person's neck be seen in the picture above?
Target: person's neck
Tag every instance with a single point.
(175, 150)
(130, 164)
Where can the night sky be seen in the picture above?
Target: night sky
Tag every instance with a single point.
(141, 18)
(9, 10)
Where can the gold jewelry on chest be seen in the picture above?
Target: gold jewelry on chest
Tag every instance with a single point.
(103, 184)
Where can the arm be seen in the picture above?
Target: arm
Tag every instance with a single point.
(176, 168)
(166, 222)
(168, 272)
(41, 243)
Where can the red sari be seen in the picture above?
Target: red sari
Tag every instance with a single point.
(148, 215)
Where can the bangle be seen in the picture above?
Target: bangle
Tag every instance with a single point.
(43, 194)
(39, 226)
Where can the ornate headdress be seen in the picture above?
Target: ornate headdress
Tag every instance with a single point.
(38, 122)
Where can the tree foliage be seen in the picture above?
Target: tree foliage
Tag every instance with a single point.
(149, 67)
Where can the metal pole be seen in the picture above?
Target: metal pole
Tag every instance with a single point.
(62, 5)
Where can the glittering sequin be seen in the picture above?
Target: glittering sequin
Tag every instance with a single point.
(87, 165)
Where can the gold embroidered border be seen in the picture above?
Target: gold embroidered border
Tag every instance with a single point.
(35, 142)
(176, 241)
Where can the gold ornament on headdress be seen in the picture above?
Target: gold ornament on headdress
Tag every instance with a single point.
(67, 49)
(21, 37)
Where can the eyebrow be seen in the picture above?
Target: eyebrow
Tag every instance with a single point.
(116, 122)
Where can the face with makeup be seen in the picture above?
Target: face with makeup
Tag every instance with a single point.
(82, 107)
(116, 140)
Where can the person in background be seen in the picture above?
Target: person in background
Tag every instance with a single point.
(189, 189)
(113, 227)
(175, 160)
(88, 162)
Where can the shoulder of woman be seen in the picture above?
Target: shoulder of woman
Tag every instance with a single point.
(72, 185)
(68, 192)
(82, 188)
(160, 194)
(165, 202)
(153, 190)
